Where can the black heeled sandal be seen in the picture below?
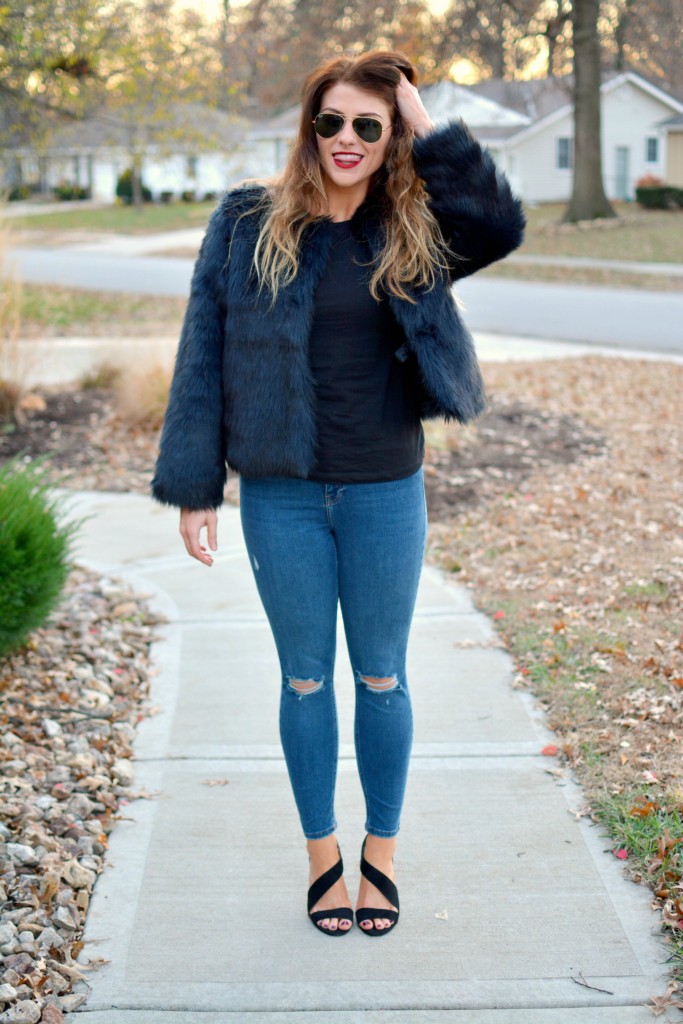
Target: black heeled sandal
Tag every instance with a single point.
(318, 890)
(388, 890)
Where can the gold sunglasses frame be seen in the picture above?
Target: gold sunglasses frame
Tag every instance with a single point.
(352, 119)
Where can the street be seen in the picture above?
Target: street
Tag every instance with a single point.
(630, 319)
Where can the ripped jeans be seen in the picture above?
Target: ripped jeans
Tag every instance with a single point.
(311, 546)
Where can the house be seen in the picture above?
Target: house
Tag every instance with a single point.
(528, 128)
(196, 150)
(673, 129)
(539, 157)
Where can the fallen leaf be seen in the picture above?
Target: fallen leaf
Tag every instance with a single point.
(621, 854)
(644, 809)
(549, 750)
(666, 842)
(442, 915)
(661, 1003)
(215, 782)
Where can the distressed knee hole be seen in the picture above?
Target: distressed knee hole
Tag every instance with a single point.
(304, 687)
(380, 684)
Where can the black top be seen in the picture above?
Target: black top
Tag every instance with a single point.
(369, 427)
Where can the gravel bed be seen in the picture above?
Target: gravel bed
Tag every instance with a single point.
(70, 701)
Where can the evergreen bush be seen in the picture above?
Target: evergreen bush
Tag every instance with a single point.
(19, 192)
(655, 194)
(35, 551)
(66, 191)
(124, 188)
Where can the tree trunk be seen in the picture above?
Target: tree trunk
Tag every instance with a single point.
(588, 201)
(136, 182)
(620, 33)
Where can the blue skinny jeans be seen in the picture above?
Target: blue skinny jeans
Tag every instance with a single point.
(311, 546)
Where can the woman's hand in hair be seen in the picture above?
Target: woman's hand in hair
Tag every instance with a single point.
(412, 108)
(191, 522)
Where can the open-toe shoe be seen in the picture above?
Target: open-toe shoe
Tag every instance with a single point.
(316, 893)
(388, 890)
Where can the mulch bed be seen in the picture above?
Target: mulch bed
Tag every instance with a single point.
(90, 447)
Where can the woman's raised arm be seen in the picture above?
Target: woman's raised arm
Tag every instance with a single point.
(480, 218)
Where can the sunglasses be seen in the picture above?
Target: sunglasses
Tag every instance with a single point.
(369, 129)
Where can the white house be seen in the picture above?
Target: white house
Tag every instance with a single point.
(538, 156)
(673, 128)
(528, 127)
(204, 152)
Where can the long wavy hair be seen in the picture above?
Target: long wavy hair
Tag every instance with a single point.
(414, 249)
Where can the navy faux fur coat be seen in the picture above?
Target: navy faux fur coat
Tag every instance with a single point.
(242, 389)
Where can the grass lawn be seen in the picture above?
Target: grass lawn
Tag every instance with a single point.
(126, 220)
(52, 310)
(637, 234)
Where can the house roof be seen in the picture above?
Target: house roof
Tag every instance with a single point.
(672, 124)
(446, 100)
(283, 125)
(183, 123)
(534, 98)
(547, 99)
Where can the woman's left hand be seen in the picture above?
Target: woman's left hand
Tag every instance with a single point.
(412, 108)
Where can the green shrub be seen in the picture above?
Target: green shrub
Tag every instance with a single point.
(659, 197)
(65, 191)
(124, 188)
(19, 192)
(189, 196)
(34, 551)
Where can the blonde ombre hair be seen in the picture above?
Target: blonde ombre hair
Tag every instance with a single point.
(414, 246)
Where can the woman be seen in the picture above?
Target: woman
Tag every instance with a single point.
(320, 331)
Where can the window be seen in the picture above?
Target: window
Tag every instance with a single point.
(192, 162)
(651, 150)
(565, 153)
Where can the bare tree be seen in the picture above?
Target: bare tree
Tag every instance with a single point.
(588, 201)
(647, 35)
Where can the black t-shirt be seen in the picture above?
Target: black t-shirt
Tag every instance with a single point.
(369, 426)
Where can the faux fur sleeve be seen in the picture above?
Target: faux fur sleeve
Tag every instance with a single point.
(481, 220)
(190, 470)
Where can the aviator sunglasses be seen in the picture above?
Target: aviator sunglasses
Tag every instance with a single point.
(369, 129)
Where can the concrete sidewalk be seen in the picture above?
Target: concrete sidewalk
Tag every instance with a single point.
(201, 909)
